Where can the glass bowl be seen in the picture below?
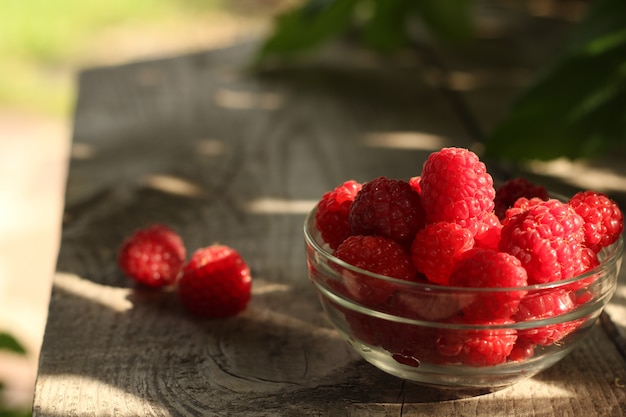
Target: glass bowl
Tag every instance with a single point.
(416, 334)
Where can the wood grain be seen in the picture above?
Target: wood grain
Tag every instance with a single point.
(224, 155)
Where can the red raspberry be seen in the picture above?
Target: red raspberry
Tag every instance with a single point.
(437, 247)
(408, 344)
(389, 208)
(508, 193)
(216, 282)
(425, 305)
(544, 305)
(332, 213)
(483, 268)
(456, 187)
(478, 347)
(521, 351)
(521, 205)
(488, 231)
(547, 239)
(379, 255)
(604, 221)
(153, 256)
(415, 184)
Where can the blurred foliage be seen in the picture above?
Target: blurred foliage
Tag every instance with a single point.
(382, 24)
(575, 108)
(42, 42)
(9, 343)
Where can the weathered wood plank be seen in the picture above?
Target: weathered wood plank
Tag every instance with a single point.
(223, 155)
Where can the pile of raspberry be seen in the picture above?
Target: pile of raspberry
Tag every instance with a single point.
(450, 226)
(215, 282)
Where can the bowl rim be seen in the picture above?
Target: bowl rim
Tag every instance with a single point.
(614, 254)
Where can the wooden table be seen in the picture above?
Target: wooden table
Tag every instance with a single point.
(224, 155)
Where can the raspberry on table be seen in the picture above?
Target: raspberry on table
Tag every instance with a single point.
(216, 282)
(604, 221)
(456, 187)
(387, 207)
(509, 192)
(437, 247)
(379, 255)
(484, 268)
(152, 256)
(547, 239)
(543, 305)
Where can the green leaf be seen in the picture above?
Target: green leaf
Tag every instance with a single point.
(577, 109)
(306, 27)
(386, 30)
(450, 20)
(604, 20)
(8, 342)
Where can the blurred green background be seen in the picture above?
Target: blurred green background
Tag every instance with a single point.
(43, 43)
(575, 109)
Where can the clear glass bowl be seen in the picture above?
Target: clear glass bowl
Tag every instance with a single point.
(416, 335)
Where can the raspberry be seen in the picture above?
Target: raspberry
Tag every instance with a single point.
(521, 205)
(425, 305)
(456, 187)
(332, 213)
(604, 221)
(521, 351)
(152, 256)
(408, 344)
(471, 347)
(509, 192)
(414, 182)
(389, 208)
(437, 247)
(379, 255)
(544, 305)
(488, 231)
(216, 282)
(547, 239)
(483, 268)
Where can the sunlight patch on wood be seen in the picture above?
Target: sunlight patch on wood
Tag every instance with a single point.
(581, 175)
(174, 185)
(115, 299)
(82, 151)
(244, 100)
(405, 140)
(263, 287)
(102, 398)
(280, 206)
(210, 147)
